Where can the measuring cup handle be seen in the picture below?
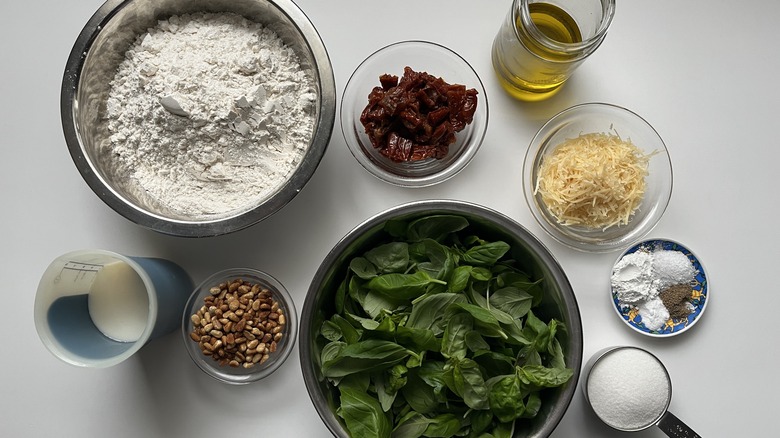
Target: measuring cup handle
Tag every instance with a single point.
(674, 428)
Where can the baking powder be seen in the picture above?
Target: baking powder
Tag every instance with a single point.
(629, 389)
(208, 114)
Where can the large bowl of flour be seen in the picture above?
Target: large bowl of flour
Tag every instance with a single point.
(197, 118)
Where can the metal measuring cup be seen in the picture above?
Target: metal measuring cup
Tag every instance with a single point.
(657, 374)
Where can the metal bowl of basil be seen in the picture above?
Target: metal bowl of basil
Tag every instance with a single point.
(440, 318)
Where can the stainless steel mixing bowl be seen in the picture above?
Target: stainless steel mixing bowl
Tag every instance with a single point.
(559, 302)
(92, 64)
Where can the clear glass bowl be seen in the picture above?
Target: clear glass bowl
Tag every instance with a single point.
(241, 375)
(421, 56)
(602, 118)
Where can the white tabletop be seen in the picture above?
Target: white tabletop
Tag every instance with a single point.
(702, 73)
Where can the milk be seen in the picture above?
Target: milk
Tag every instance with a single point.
(118, 302)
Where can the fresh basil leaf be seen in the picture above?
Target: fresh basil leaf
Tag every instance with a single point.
(444, 425)
(504, 430)
(539, 376)
(433, 258)
(349, 332)
(330, 331)
(475, 342)
(479, 420)
(512, 301)
(385, 396)
(375, 303)
(495, 363)
(411, 425)
(523, 282)
(341, 294)
(436, 227)
(390, 257)
(505, 395)
(484, 320)
(331, 350)
(419, 395)
(402, 286)
(528, 355)
(486, 254)
(417, 339)
(396, 378)
(432, 374)
(365, 355)
(428, 313)
(470, 384)
(481, 274)
(363, 415)
(459, 279)
(356, 290)
(453, 344)
(366, 323)
(532, 405)
(363, 268)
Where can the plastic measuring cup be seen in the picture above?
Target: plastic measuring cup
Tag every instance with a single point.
(96, 308)
(629, 389)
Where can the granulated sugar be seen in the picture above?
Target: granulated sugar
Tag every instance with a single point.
(208, 114)
(629, 389)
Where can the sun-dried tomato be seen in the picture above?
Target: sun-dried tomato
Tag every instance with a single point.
(416, 117)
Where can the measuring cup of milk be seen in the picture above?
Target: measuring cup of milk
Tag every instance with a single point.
(96, 308)
(630, 390)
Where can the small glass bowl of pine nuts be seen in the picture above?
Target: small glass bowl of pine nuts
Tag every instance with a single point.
(239, 325)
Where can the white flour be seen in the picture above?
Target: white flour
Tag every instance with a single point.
(208, 114)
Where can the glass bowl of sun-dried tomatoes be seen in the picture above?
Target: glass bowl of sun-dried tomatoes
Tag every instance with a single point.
(414, 113)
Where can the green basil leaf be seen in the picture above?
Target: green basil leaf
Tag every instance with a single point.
(495, 363)
(432, 374)
(484, 320)
(505, 395)
(363, 268)
(486, 254)
(385, 396)
(411, 425)
(539, 376)
(479, 420)
(532, 405)
(459, 279)
(366, 323)
(341, 294)
(365, 355)
(444, 425)
(375, 303)
(512, 301)
(330, 331)
(417, 339)
(331, 350)
(470, 384)
(349, 332)
(481, 274)
(390, 257)
(363, 415)
(419, 395)
(428, 313)
(475, 342)
(402, 286)
(436, 227)
(453, 344)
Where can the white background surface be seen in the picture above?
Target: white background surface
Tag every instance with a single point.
(703, 73)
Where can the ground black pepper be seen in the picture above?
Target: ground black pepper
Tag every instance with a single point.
(676, 298)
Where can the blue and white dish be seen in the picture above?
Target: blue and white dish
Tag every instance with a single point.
(699, 293)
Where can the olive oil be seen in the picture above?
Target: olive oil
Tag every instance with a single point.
(554, 23)
(527, 66)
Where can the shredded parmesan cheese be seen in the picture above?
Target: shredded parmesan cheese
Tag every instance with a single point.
(596, 180)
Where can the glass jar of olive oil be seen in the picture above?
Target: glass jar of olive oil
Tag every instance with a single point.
(542, 42)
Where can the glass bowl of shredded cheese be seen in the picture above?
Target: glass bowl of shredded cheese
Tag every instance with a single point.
(597, 177)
